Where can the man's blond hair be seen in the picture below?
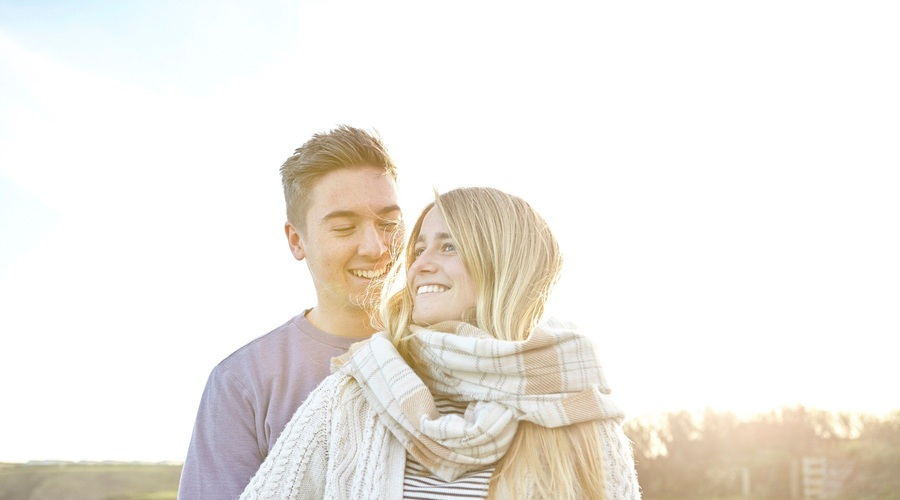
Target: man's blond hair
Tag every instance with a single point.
(342, 147)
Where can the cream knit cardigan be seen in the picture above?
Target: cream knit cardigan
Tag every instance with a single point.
(335, 447)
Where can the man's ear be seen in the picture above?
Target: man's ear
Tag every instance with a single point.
(294, 241)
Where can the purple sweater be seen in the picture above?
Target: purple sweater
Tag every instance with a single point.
(249, 398)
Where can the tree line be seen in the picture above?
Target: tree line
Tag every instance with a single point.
(717, 455)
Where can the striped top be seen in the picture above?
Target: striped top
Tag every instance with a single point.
(420, 484)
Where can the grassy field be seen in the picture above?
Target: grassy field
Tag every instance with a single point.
(89, 481)
(116, 481)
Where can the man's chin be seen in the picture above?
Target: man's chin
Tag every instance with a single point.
(368, 298)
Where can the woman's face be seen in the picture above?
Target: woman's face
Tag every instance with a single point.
(441, 286)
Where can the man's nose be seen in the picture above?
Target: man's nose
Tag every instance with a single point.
(373, 242)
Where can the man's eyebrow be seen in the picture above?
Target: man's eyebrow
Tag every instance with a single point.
(388, 209)
(351, 213)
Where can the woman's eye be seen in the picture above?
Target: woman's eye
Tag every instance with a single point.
(449, 247)
(344, 229)
(418, 251)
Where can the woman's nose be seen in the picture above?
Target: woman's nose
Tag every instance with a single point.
(424, 263)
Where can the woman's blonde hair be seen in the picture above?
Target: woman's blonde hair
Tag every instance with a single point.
(514, 261)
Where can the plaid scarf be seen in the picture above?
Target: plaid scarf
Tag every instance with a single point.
(552, 379)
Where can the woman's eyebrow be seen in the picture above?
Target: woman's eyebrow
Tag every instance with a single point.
(438, 236)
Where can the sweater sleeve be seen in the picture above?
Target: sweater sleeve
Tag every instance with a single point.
(224, 451)
(296, 466)
(620, 476)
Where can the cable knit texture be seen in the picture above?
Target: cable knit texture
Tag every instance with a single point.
(350, 438)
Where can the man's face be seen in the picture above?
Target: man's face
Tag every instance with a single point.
(351, 224)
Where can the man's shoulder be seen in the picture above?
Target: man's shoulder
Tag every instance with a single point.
(275, 341)
(285, 349)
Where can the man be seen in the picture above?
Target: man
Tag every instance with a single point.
(342, 219)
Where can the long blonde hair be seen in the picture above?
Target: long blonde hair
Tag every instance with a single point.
(514, 260)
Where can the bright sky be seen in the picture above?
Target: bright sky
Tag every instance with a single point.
(723, 178)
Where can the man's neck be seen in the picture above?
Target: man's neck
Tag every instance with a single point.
(343, 323)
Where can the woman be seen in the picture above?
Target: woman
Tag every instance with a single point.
(464, 393)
